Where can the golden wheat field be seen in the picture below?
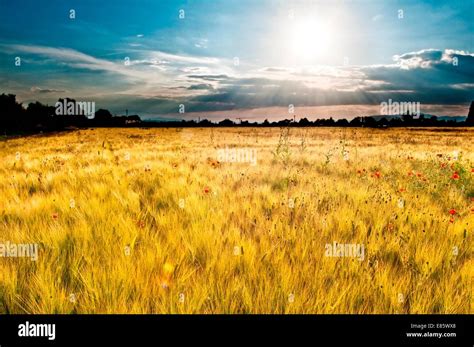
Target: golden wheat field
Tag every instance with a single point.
(154, 221)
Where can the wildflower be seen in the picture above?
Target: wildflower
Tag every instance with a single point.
(377, 174)
(214, 163)
(410, 173)
(455, 176)
(55, 216)
(452, 212)
(207, 190)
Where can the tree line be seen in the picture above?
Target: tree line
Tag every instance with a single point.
(37, 117)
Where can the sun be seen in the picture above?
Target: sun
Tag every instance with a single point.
(311, 38)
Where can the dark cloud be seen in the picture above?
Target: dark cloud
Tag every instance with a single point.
(428, 76)
(201, 86)
(426, 55)
(211, 78)
(46, 90)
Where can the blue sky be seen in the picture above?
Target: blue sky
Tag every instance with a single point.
(225, 58)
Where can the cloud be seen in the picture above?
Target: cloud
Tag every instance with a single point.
(152, 72)
(427, 76)
(377, 17)
(201, 86)
(202, 43)
(210, 77)
(175, 58)
(427, 71)
(76, 59)
(46, 90)
(164, 80)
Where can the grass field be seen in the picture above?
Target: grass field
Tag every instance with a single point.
(154, 221)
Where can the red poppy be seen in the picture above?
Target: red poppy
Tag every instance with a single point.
(472, 170)
(401, 190)
(419, 174)
(207, 189)
(359, 171)
(452, 212)
(451, 220)
(410, 173)
(455, 176)
(55, 216)
(377, 174)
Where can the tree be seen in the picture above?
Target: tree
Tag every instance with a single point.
(342, 122)
(356, 122)
(103, 115)
(470, 116)
(304, 122)
(226, 123)
(38, 114)
(11, 113)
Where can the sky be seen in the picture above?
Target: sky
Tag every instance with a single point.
(251, 59)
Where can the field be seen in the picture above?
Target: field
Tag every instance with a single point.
(159, 221)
